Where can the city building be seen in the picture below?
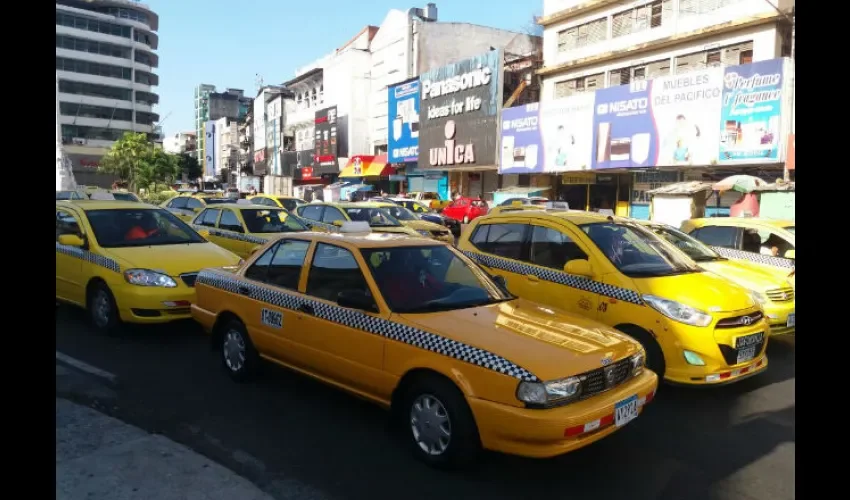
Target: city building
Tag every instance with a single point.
(201, 101)
(180, 143)
(228, 149)
(211, 105)
(609, 65)
(105, 65)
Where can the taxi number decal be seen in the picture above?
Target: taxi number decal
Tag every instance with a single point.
(273, 319)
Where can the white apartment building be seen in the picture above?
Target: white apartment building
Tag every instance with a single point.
(592, 44)
(227, 142)
(181, 142)
(105, 63)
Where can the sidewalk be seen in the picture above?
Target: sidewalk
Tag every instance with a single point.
(101, 458)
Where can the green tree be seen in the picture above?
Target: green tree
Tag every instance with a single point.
(189, 166)
(138, 162)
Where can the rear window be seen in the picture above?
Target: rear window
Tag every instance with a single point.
(125, 197)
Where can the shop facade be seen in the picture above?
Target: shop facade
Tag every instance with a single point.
(458, 127)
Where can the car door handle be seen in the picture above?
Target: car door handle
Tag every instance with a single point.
(306, 309)
(244, 290)
(532, 278)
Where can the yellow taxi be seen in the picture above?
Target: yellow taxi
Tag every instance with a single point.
(767, 243)
(129, 262)
(331, 216)
(774, 294)
(414, 326)
(79, 194)
(243, 227)
(431, 198)
(423, 227)
(288, 202)
(188, 205)
(697, 328)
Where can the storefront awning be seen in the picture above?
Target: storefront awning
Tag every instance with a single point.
(522, 189)
(367, 166)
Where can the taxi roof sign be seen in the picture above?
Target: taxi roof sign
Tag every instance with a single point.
(101, 196)
(243, 201)
(359, 226)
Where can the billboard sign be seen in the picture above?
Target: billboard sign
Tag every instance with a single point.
(210, 149)
(521, 152)
(566, 129)
(325, 148)
(459, 110)
(403, 126)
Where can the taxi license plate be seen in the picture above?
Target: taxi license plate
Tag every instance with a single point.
(792, 320)
(746, 354)
(625, 411)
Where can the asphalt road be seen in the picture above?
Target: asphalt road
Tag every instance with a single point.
(296, 438)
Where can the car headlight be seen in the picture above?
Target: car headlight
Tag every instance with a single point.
(549, 393)
(427, 234)
(146, 277)
(759, 298)
(678, 311)
(638, 363)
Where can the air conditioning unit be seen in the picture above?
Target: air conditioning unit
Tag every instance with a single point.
(79, 141)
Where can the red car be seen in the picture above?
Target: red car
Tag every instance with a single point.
(466, 209)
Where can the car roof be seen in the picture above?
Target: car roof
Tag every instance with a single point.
(577, 217)
(242, 206)
(356, 204)
(366, 240)
(86, 205)
(743, 222)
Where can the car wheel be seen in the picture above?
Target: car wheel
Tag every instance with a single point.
(439, 425)
(103, 311)
(466, 219)
(238, 355)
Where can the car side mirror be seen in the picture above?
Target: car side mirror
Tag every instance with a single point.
(356, 299)
(579, 267)
(790, 254)
(71, 240)
(337, 223)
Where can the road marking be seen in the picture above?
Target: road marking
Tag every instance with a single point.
(85, 367)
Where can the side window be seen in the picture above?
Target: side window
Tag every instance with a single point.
(717, 236)
(208, 217)
(312, 212)
(479, 237)
(552, 248)
(229, 222)
(193, 203)
(179, 202)
(285, 267)
(66, 224)
(773, 244)
(505, 240)
(334, 270)
(287, 204)
(332, 215)
(260, 268)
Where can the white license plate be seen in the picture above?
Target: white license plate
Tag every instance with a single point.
(746, 354)
(625, 411)
(792, 320)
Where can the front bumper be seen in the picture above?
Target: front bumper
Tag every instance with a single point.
(548, 433)
(777, 314)
(152, 305)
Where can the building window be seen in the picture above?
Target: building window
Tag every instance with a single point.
(70, 132)
(133, 15)
(142, 37)
(143, 118)
(143, 58)
(583, 35)
(93, 25)
(697, 7)
(146, 98)
(93, 68)
(732, 55)
(642, 18)
(93, 90)
(146, 78)
(91, 46)
(578, 85)
(100, 112)
(623, 76)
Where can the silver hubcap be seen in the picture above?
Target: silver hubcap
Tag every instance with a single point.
(102, 308)
(430, 424)
(234, 350)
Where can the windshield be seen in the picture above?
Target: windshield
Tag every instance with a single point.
(376, 217)
(140, 227)
(790, 229)
(125, 197)
(694, 248)
(635, 251)
(429, 279)
(401, 213)
(271, 221)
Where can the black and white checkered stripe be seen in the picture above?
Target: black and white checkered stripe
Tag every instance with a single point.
(769, 260)
(361, 321)
(231, 235)
(558, 277)
(98, 260)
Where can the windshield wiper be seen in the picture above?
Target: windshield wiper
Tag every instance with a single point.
(706, 258)
(441, 306)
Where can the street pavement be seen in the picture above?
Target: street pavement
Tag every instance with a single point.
(296, 438)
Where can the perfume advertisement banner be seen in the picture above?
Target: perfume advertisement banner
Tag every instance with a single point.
(751, 113)
(403, 127)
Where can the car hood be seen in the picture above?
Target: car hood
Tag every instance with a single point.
(174, 260)
(423, 225)
(551, 344)
(702, 290)
(744, 274)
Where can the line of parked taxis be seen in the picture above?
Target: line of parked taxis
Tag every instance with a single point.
(543, 331)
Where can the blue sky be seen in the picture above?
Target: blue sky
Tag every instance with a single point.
(207, 41)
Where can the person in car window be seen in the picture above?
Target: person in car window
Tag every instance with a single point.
(145, 227)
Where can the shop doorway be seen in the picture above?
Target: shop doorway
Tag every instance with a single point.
(575, 196)
(603, 197)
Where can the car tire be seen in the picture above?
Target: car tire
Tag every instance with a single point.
(654, 355)
(438, 424)
(102, 309)
(466, 219)
(239, 357)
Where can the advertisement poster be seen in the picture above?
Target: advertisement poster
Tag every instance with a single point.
(325, 150)
(623, 127)
(403, 126)
(686, 109)
(210, 149)
(459, 109)
(566, 127)
(521, 152)
(750, 112)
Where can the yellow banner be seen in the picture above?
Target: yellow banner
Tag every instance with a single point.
(578, 178)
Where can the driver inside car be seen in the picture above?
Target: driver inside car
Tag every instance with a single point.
(145, 227)
(405, 274)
